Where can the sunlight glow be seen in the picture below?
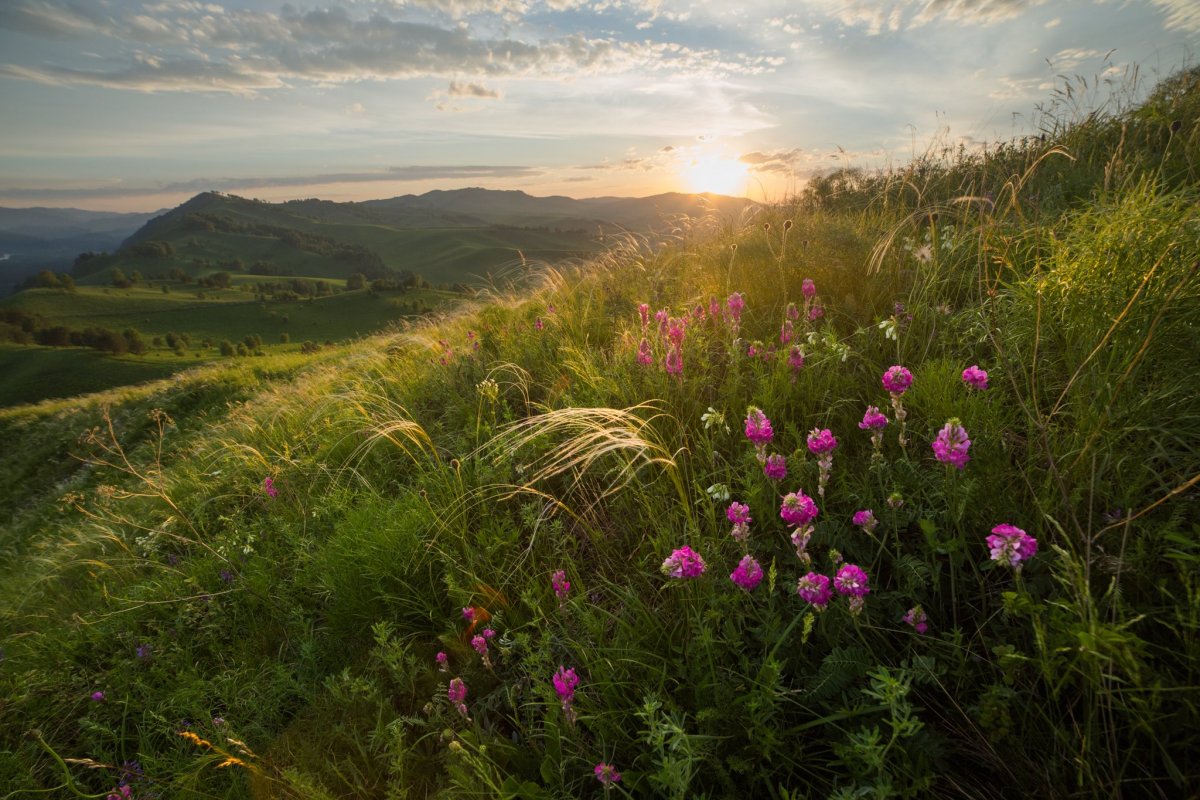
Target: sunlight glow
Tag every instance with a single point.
(717, 175)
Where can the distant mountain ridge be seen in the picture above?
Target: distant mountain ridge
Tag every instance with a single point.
(50, 238)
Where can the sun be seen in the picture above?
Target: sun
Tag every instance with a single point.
(716, 175)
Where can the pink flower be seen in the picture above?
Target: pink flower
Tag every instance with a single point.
(798, 509)
(488, 633)
(674, 363)
(776, 467)
(916, 617)
(683, 563)
(852, 581)
(739, 515)
(974, 377)
(565, 681)
(98, 697)
(458, 695)
(758, 427)
(793, 313)
(538, 324)
(865, 519)
(714, 309)
(644, 312)
(676, 330)
(560, 583)
(808, 288)
(821, 441)
(480, 645)
(785, 332)
(951, 444)
(1010, 545)
(814, 588)
(269, 487)
(897, 379)
(645, 354)
(795, 358)
(442, 660)
(816, 312)
(747, 574)
(735, 304)
(607, 774)
(468, 614)
(873, 419)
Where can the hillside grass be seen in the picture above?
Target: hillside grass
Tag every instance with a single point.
(279, 639)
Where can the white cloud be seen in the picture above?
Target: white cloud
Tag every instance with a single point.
(1181, 14)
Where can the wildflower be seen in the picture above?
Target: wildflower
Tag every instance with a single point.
(226, 576)
(719, 492)
(890, 328)
(676, 330)
(98, 697)
(747, 574)
(674, 363)
(798, 509)
(816, 312)
(735, 303)
(792, 313)
(714, 419)
(550, 309)
(800, 538)
(143, 651)
(896, 379)
(895, 500)
(821, 443)
(785, 332)
(269, 487)
(852, 582)
(814, 588)
(644, 312)
(607, 774)
(951, 444)
(479, 643)
(443, 661)
(873, 419)
(808, 288)
(538, 324)
(1010, 545)
(758, 430)
(714, 309)
(739, 515)
(865, 519)
(458, 695)
(683, 563)
(565, 681)
(645, 355)
(775, 467)
(975, 377)
(795, 360)
(917, 619)
(488, 633)
(561, 585)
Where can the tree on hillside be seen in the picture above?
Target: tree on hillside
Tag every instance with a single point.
(134, 341)
(356, 281)
(117, 278)
(227, 348)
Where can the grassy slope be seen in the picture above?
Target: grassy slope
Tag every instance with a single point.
(36, 373)
(409, 487)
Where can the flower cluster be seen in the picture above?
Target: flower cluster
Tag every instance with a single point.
(821, 444)
(565, 681)
(747, 574)
(866, 520)
(874, 421)
(799, 510)
(852, 582)
(457, 693)
(758, 428)
(560, 584)
(952, 444)
(775, 467)
(683, 563)
(814, 588)
(739, 515)
(896, 379)
(975, 378)
(269, 487)
(1010, 545)
(917, 619)
(607, 774)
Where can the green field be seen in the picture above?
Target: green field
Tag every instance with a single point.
(31, 374)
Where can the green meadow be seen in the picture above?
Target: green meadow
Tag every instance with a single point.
(607, 536)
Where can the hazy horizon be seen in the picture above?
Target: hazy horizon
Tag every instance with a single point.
(137, 105)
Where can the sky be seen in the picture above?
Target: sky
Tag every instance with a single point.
(137, 105)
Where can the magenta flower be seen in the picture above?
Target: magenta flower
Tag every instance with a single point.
(735, 304)
(458, 695)
(714, 309)
(798, 509)
(468, 614)
(814, 588)
(795, 358)
(852, 581)
(442, 660)
(488, 633)
(975, 377)
(739, 515)
(792, 313)
(821, 440)
(607, 774)
(538, 324)
(747, 574)
(676, 330)
(98, 697)
(645, 354)
(1010, 545)
(785, 332)
(775, 467)
(560, 583)
(683, 563)
(565, 681)
(897, 379)
(865, 519)
(917, 619)
(808, 288)
(873, 419)
(674, 363)
(816, 312)
(480, 645)
(644, 312)
(269, 487)
(758, 427)
(951, 444)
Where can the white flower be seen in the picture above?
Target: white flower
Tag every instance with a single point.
(714, 419)
(719, 492)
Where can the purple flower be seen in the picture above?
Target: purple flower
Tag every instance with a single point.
(873, 419)
(442, 660)
(458, 695)
(758, 427)
(974, 377)
(897, 379)
(852, 581)
(814, 588)
(480, 645)
(865, 519)
(468, 613)
(645, 354)
(808, 288)
(538, 324)
(607, 774)
(795, 358)
(793, 313)
(775, 467)
(98, 697)
(786, 332)
(565, 681)
(747, 574)
(674, 363)
(269, 487)
(226, 576)
(798, 509)
(951, 444)
(738, 513)
(644, 312)
(488, 633)
(917, 619)
(1010, 545)
(816, 312)
(821, 440)
(683, 563)
(560, 583)
(735, 304)
(143, 651)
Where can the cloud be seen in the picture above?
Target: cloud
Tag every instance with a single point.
(458, 89)
(1181, 14)
(1072, 57)
(393, 174)
(65, 18)
(784, 161)
(876, 16)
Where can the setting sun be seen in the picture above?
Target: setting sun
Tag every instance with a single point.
(717, 175)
